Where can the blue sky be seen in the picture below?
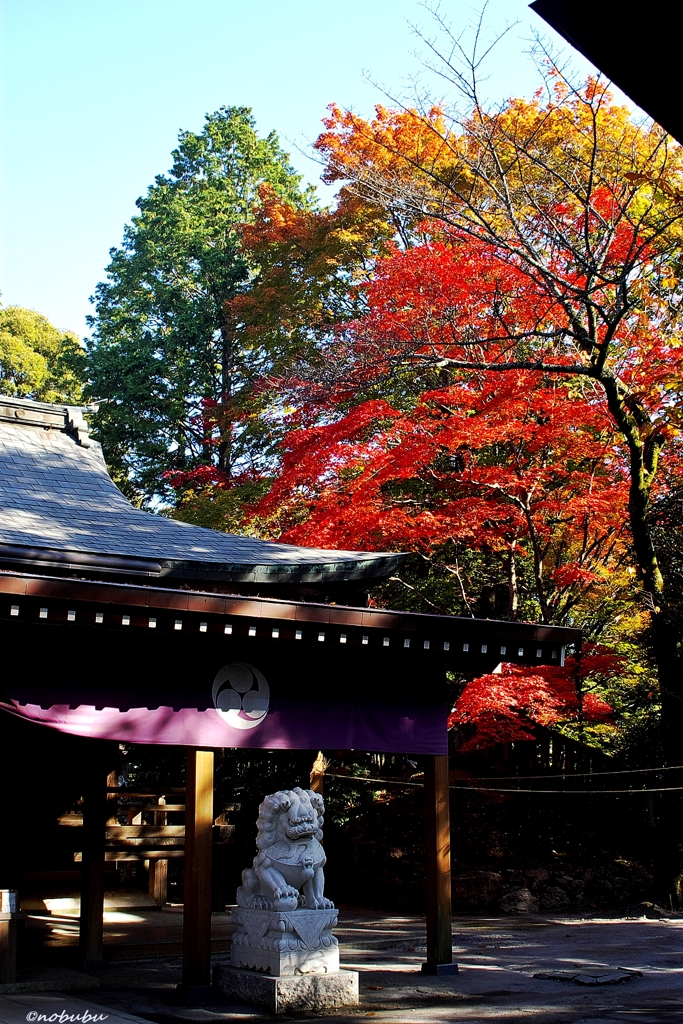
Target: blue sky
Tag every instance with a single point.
(94, 93)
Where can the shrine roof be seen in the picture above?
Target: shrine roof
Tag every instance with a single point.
(60, 507)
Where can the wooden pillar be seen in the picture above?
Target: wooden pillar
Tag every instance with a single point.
(197, 913)
(92, 867)
(438, 846)
(9, 928)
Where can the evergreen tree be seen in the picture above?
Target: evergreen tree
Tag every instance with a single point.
(167, 353)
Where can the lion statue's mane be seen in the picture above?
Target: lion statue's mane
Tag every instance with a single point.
(276, 803)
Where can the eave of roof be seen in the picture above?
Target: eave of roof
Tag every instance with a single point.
(162, 601)
(364, 567)
(642, 57)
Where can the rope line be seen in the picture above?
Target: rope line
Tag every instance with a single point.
(508, 789)
(583, 775)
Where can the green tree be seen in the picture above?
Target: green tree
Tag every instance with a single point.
(37, 360)
(168, 354)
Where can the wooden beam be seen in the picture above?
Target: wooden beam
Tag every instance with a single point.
(197, 913)
(438, 848)
(145, 832)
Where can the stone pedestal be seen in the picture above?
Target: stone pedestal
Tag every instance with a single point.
(284, 943)
(288, 994)
(286, 961)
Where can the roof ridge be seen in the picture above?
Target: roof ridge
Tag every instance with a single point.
(70, 419)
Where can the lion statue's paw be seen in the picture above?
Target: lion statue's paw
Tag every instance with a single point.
(286, 892)
(321, 904)
(260, 902)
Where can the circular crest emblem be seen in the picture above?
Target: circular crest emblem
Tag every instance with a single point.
(241, 695)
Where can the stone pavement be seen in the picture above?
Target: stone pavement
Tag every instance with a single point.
(128, 934)
(498, 957)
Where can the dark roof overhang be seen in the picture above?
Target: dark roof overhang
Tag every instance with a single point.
(465, 642)
(639, 52)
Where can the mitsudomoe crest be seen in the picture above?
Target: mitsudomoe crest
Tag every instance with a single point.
(241, 695)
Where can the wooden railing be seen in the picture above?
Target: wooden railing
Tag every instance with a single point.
(133, 841)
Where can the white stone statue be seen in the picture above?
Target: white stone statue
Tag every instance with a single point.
(288, 869)
(283, 921)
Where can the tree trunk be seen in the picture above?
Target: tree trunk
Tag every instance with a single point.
(512, 582)
(665, 649)
(227, 385)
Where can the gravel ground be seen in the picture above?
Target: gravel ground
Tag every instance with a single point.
(498, 958)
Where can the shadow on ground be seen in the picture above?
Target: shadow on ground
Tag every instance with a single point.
(498, 958)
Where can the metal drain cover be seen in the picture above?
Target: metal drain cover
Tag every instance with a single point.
(590, 975)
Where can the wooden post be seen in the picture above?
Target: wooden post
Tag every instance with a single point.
(438, 844)
(158, 869)
(196, 984)
(158, 880)
(317, 776)
(9, 927)
(92, 867)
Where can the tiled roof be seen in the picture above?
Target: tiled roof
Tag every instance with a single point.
(58, 505)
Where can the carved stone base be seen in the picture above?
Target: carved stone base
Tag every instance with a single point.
(288, 995)
(285, 943)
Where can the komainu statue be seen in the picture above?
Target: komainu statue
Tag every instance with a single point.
(288, 869)
(283, 923)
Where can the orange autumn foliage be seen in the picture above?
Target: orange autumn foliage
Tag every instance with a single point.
(307, 260)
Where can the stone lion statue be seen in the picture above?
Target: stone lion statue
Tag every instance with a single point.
(288, 869)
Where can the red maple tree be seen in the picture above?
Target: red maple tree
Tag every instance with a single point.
(509, 376)
(522, 463)
(566, 210)
(508, 705)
